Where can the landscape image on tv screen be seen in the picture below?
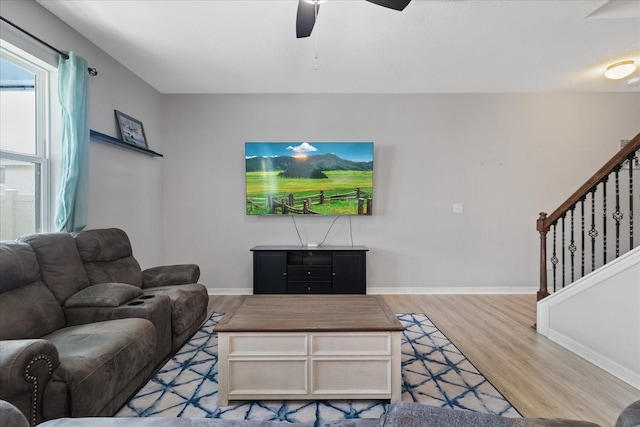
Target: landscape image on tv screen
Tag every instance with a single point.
(306, 178)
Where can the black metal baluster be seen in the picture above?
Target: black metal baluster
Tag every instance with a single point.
(572, 245)
(617, 214)
(582, 237)
(554, 258)
(564, 266)
(631, 158)
(604, 220)
(593, 233)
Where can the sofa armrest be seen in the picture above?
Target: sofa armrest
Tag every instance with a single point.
(147, 307)
(405, 414)
(26, 366)
(168, 275)
(630, 416)
(11, 416)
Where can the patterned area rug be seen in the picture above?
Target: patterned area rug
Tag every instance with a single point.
(434, 372)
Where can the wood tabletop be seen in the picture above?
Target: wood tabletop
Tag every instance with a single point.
(310, 313)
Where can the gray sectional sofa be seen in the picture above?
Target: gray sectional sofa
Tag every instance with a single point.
(82, 327)
(397, 415)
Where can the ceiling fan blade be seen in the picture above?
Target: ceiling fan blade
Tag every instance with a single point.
(306, 18)
(391, 4)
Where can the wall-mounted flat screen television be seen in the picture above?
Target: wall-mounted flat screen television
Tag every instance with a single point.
(326, 178)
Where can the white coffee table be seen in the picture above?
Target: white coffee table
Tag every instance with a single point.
(309, 347)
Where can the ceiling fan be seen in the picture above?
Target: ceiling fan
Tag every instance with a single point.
(308, 12)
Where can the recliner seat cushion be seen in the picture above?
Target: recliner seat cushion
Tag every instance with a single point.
(157, 309)
(98, 360)
(61, 268)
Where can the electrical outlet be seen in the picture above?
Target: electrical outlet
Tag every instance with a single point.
(457, 208)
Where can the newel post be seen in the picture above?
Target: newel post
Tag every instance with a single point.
(540, 226)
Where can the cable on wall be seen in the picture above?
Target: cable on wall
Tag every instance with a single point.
(295, 224)
(330, 227)
(297, 231)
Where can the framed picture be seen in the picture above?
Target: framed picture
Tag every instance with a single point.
(131, 130)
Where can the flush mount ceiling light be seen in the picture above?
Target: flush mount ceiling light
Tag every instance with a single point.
(620, 70)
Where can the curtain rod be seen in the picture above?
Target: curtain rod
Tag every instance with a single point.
(92, 71)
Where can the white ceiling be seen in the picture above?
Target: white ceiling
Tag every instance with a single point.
(433, 46)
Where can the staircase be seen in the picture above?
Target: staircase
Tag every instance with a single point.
(589, 296)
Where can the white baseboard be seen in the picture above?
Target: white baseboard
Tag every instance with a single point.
(615, 369)
(426, 290)
(230, 291)
(406, 290)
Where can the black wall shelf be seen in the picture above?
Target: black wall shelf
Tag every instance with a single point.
(101, 137)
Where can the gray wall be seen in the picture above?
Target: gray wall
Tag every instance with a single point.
(125, 188)
(504, 157)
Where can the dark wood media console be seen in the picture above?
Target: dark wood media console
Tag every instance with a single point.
(309, 270)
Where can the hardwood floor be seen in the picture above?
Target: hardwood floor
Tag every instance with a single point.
(539, 377)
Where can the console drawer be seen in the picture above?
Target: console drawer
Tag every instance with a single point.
(309, 272)
(309, 287)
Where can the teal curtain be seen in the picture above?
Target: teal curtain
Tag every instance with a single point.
(73, 91)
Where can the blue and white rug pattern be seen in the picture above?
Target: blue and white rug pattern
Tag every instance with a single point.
(434, 372)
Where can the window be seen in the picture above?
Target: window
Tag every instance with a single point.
(24, 143)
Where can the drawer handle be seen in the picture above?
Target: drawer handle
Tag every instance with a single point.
(308, 272)
(284, 274)
(308, 288)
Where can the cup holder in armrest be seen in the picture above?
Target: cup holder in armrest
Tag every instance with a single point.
(140, 300)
